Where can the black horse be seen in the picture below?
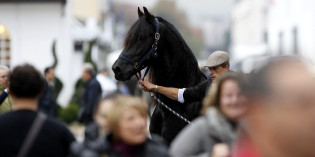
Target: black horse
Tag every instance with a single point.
(174, 66)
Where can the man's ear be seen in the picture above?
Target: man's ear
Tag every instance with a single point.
(227, 68)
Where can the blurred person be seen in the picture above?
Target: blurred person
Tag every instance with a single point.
(108, 85)
(127, 119)
(5, 98)
(24, 131)
(281, 117)
(122, 88)
(49, 73)
(205, 71)
(96, 130)
(213, 133)
(91, 94)
(101, 113)
(47, 102)
(100, 125)
(218, 63)
(128, 136)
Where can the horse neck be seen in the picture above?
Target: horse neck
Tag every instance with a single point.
(176, 65)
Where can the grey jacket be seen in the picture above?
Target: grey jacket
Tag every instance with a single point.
(197, 140)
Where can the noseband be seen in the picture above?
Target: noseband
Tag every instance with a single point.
(138, 66)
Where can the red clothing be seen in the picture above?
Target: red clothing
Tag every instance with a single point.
(245, 148)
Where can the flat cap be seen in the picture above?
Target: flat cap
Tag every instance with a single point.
(217, 58)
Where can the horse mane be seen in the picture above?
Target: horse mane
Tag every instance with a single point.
(191, 64)
(174, 30)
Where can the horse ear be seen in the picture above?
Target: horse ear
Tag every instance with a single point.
(140, 13)
(148, 16)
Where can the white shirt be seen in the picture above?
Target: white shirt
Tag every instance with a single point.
(180, 96)
(107, 84)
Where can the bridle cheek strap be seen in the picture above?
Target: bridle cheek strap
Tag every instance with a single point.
(139, 65)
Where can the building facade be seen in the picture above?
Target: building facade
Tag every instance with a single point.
(31, 27)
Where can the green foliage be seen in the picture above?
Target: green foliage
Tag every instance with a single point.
(58, 83)
(79, 86)
(53, 49)
(58, 87)
(69, 113)
(58, 109)
(88, 55)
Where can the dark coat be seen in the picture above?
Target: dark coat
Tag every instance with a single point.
(197, 93)
(102, 146)
(3, 96)
(47, 102)
(91, 94)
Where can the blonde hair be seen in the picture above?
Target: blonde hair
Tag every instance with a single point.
(213, 95)
(120, 104)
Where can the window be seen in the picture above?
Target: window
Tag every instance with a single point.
(5, 48)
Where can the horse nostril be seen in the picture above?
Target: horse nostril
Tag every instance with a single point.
(116, 69)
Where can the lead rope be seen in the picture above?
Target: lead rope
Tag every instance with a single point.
(168, 108)
(159, 101)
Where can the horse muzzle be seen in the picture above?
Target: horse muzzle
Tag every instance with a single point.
(122, 72)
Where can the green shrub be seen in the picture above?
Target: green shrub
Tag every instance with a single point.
(69, 113)
(76, 96)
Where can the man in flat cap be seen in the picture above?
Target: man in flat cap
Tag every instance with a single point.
(218, 63)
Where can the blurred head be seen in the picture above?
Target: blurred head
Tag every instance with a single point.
(4, 76)
(282, 112)
(104, 71)
(101, 113)
(218, 62)
(49, 73)
(88, 72)
(128, 120)
(26, 82)
(228, 95)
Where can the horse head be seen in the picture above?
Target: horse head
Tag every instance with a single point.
(138, 43)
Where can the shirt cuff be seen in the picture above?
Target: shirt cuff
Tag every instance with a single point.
(180, 95)
(6, 91)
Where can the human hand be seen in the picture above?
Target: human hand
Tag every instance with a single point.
(146, 86)
(220, 150)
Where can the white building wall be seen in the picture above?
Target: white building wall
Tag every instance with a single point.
(214, 32)
(33, 27)
(248, 27)
(252, 18)
(284, 16)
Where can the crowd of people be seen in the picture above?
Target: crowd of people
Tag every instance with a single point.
(269, 112)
